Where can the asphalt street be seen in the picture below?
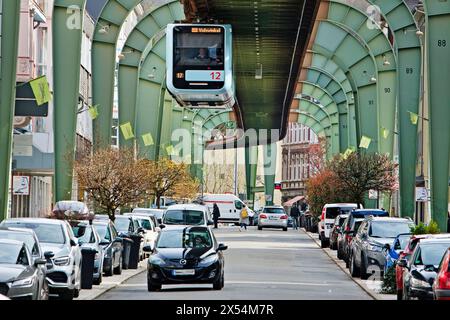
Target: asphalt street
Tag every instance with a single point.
(259, 265)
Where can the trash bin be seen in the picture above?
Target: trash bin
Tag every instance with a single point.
(308, 223)
(87, 267)
(135, 251)
(127, 243)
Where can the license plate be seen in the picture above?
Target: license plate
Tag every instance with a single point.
(183, 272)
(273, 218)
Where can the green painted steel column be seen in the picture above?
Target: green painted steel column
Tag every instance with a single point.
(9, 31)
(438, 58)
(270, 161)
(251, 167)
(66, 86)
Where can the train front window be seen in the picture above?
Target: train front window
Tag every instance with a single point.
(198, 49)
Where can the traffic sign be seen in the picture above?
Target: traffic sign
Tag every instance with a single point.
(21, 185)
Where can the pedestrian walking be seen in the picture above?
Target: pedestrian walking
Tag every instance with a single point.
(295, 213)
(243, 218)
(216, 215)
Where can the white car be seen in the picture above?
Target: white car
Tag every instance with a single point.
(158, 213)
(273, 217)
(151, 231)
(329, 213)
(187, 214)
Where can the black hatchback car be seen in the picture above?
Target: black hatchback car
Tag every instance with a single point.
(186, 254)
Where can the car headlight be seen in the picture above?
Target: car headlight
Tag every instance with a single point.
(419, 283)
(157, 261)
(27, 282)
(208, 260)
(63, 261)
(374, 247)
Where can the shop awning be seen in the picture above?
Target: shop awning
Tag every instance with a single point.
(291, 202)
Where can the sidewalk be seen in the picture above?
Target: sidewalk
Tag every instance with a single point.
(372, 287)
(109, 283)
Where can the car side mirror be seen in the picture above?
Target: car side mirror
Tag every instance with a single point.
(159, 220)
(158, 229)
(402, 263)
(147, 249)
(73, 243)
(222, 247)
(40, 261)
(49, 254)
(104, 242)
(161, 226)
(387, 246)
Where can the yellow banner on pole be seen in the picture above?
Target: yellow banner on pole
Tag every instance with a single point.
(365, 142)
(385, 132)
(41, 90)
(127, 131)
(347, 153)
(93, 111)
(414, 117)
(148, 139)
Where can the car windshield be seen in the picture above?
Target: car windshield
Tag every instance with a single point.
(431, 253)
(332, 213)
(185, 238)
(45, 232)
(356, 224)
(157, 213)
(84, 233)
(274, 210)
(365, 213)
(380, 229)
(11, 253)
(122, 225)
(184, 217)
(145, 223)
(28, 239)
(402, 242)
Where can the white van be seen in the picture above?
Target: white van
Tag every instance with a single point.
(329, 213)
(229, 206)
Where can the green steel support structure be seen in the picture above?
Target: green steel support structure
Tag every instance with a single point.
(270, 161)
(9, 31)
(438, 58)
(251, 169)
(66, 79)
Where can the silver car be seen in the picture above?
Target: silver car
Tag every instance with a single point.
(61, 250)
(273, 217)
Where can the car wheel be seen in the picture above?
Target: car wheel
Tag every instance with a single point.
(152, 287)
(323, 243)
(259, 228)
(118, 269)
(218, 284)
(399, 295)
(99, 280)
(353, 269)
(43, 293)
(339, 254)
(69, 295)
(405, 294)
(109, 271)
(76, 293)
(363, 272)
(285, 229)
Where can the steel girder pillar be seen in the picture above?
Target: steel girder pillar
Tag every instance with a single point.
(139, 41)
(104, 45)
(270, 161)
(321, 62)
(403, 27)
(251, 169)
(336, 43)
(329, 105)
(438, 56)
(66, 85)
(9, 31)
(329, 84)
(370, 34)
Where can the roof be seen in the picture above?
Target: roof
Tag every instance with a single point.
(148, 209)
(291, 202)
(188, 206)
(36, 220)
(333, 205)
(435, 240)
(390, 219)
(9, 241)
(23, 230)
(174, 227)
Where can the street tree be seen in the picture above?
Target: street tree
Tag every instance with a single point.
(112, 179)
(322, 188)
(358, 173)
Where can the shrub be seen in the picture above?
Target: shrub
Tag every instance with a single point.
(389, 285)
(421, 228)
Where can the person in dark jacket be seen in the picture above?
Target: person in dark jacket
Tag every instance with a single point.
(295, 213)
(216, 214)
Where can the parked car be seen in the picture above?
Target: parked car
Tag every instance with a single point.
(366, 250)
(187, 214)
(256, 216)
(186, 254)
(88, 238)
(158, 213)
(441, 285)
(62, 252)
(150, 230)
(392, 250)
(112, 247)
(21, 276)
(329, 212)
(341, 240)
(349, 236)
(128, 227)
(337, 227)
(421, 269)
(273, 217)
(357, 214)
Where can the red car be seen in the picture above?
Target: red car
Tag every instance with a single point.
(441, 286)
(405, 254)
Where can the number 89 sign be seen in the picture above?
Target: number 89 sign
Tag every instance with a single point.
(205, 75)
